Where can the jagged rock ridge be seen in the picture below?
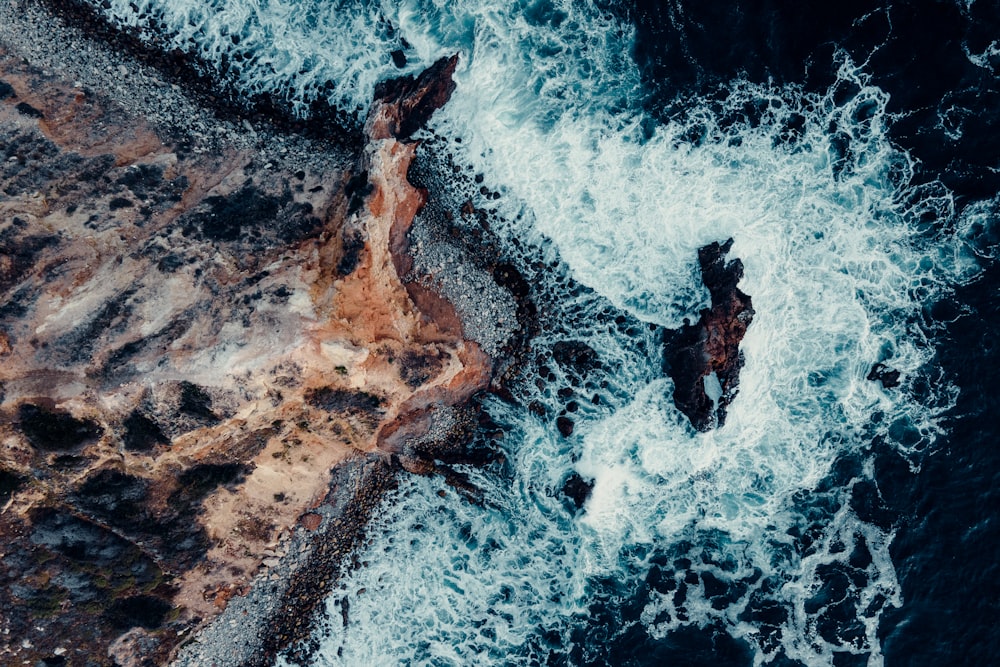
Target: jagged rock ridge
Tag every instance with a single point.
(704, 357)
(190, 341)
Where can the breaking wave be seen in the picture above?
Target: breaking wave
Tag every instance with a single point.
(750, 534)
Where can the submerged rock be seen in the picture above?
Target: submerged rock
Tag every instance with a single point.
(704, 358)
(889, 377)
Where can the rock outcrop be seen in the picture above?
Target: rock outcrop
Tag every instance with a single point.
(191, 339)
(704, 358)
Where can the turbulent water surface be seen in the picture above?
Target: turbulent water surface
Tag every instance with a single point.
(847, 153)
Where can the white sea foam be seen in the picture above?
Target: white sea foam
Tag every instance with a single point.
(838, 261)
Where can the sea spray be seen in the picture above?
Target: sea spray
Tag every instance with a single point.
(748, 530)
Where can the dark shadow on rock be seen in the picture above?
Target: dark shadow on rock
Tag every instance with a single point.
(142, 433)
(145, 611)
(54, 430)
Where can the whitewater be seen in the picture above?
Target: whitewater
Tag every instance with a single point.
(747, 531)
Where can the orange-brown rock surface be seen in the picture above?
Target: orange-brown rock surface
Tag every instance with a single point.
(704, 358)
(190, 341)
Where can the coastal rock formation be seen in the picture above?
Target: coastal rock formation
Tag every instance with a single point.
(704, 358)
(191, 339)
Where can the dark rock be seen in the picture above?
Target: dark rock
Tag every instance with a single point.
(21, 255)
(119, 203)
(889, 377)
(576, 356)
(357, 188)
(115, 498)
(343, 400)
(565, 426)
(142, 179)
(354, 244)
(26, 109)
(196, 403)
(507, 275)
(198, 481)
(78, 539)
(710, 347)
(416, 369)
(10, 482)
(226, 217)
(146, 611)
(398, 58)
(577, 489)
(56, 430)
(78, 345)
(142, 433)
(411, 102)
(6, 90)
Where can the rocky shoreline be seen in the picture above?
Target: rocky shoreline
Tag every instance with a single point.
(223, 339)
(217, 354)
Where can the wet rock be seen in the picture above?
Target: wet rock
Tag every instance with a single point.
(565, 426)
(507, 275)
(576, 356)
(889, 377)
(398, 58)
(577, 489)
(705, 357)
(409, 102)
(54, 430)
(6, 90)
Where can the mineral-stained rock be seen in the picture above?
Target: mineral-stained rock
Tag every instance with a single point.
(707, 352)
(193, 337)
(408, 102)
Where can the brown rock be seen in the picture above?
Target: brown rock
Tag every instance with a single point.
(408, 103)
(310, 521)
(711, 345)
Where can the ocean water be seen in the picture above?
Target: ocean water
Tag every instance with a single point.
(830, 521)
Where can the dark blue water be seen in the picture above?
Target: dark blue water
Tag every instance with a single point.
(924, 53)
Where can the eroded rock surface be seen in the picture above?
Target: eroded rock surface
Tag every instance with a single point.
(704, 358)
(189, 343)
